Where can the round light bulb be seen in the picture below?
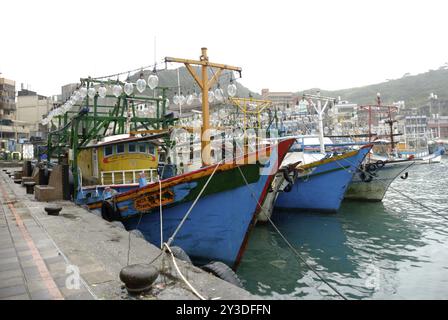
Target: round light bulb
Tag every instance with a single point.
(190, 99)
(102, 91)
(91, 92)
(182, 99)
(128, 88)
(176, 99)
(219, 94)
(153, 81)
(83, 92)
(117, 90)
(141, 85)
(231, 90)
(211, 96)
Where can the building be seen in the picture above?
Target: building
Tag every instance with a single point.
(438, 126)
(10, 130)
(67, 91)
(31, 108)
(7, 98)
(283, 100)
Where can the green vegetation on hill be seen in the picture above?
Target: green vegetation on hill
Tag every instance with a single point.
(414, 90)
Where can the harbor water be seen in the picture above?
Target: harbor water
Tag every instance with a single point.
(394, 249)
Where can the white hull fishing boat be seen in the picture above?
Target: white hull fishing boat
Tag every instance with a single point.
(371, 182)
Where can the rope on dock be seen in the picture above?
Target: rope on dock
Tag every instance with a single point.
(180, 273)
(296, 253)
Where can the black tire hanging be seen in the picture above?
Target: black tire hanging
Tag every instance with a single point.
(109, 211)
(180, 254)
(380, 163)
(224, 272)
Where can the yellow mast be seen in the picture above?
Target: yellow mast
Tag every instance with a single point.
(205, 84)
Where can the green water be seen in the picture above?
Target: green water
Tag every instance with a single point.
(390, 250)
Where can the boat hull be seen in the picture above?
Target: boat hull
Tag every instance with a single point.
(218, 226)
(376, 189)
(323, 185)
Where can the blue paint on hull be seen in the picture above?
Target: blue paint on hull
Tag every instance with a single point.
(215, 229)
(324, 189)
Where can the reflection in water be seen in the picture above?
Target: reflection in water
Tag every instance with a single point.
(390, 250)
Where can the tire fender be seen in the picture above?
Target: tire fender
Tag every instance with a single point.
(223, 271)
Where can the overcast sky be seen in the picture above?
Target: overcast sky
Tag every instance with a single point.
(281, 45)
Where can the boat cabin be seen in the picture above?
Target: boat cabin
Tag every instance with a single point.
(118, 161)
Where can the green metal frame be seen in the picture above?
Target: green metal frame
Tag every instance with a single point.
(94, 123)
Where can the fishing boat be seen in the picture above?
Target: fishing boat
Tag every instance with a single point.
(373, 179)
(222, 202)
(320, 185)
(116, 165)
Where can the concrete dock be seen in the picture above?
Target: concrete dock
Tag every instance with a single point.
(78, 255)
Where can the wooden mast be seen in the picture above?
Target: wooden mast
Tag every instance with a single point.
(205, 84)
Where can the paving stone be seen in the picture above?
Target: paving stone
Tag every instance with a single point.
(8, 260)
(31, 273)
(76, 294)
(7, 250)
(60, 281)
(6, 245)
(8, 254)
(10, 274)
(19, 297)
(45, 254)
(27, 257)
(56, 259)
(11, 282)
(28, 263)
(41, 295)
(12, 291)
(58, 266)
(97, 277)
(9, 266)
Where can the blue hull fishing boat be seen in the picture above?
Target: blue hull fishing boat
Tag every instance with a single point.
(321, 185)
(207, 212)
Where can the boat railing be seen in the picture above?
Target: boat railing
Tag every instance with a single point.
(127, 176)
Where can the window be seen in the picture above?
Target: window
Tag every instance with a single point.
(120, 148)
(150, 149)
(132, 147)
(108, 151)
(142, 148)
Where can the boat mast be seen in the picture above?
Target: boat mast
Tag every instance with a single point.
(320, 114)
(205, 84)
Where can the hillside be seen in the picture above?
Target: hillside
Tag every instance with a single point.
(414, 90)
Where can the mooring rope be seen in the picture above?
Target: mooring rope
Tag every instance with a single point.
(180, 273)
(161, 215)
(296, 253)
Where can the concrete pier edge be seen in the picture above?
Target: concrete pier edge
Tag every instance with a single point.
(81, 240)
